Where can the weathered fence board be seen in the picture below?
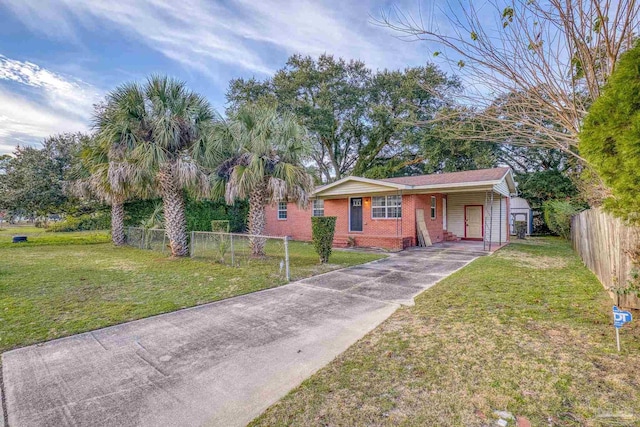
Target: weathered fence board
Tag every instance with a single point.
(606, 245)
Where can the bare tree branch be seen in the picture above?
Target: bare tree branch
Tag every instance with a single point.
(532, 68)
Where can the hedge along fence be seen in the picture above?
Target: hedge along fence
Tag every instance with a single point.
(558, 214)
(609, 248)
(221, 225)
(322, 230)
(199, 213)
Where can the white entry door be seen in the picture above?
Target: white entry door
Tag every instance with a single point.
(473, 222)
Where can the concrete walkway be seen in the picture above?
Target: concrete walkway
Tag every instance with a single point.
(219, 364)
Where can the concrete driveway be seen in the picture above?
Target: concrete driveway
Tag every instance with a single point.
(219, 364)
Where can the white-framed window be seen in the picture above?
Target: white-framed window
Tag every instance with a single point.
(282, 210)
(386, 207)
(318, 207)
(434, 203)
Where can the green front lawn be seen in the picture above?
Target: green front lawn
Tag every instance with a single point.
(52, 290)
(527, 330)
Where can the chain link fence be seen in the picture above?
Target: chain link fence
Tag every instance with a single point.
(154, 239)
(232, 249)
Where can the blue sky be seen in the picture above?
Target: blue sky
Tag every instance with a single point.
(58, 57)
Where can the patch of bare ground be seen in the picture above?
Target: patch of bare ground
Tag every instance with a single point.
(125, 265)
(531, 261)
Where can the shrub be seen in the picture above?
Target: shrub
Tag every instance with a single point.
(68, 224)
(96, 221)
(322, 230)
(220, 225)
(557, 215)
(610, 137)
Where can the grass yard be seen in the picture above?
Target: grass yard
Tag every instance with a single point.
(51, 290)
(527, 330)
(38, 236)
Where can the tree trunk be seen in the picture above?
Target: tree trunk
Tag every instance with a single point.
(257, 201)
(174, 211)
(117, 222)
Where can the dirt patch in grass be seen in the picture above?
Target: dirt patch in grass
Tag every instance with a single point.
(523, 259)
(125, 265)
(499, 334)
(533, 241)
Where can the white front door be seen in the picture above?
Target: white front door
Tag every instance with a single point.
(473, 222)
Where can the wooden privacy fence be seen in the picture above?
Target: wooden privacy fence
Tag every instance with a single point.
(606, 245)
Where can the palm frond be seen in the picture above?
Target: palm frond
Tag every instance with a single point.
(264, 150)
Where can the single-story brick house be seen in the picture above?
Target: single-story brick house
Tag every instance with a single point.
(470, 205)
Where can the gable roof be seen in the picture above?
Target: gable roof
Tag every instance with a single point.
(480, 175)
(366, 183)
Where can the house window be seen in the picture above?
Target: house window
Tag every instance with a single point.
(386, 207)
(318, 207)
(282, 210)
(433, 207)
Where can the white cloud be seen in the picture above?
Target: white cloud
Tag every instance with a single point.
(200, 33)
(35, 103)
(204, 35)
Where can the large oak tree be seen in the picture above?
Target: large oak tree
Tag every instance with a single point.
(360, 121)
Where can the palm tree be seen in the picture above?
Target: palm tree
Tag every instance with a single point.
(264, 163)
(164, 130)
(108, 178)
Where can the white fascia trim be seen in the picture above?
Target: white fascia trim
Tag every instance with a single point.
(511, 182)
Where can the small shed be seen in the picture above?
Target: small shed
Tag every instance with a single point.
(520, 211)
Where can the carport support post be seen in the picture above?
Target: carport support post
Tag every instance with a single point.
(491, 222)
(286, 258)
(500, 221)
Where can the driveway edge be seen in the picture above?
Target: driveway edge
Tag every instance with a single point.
(4, 415)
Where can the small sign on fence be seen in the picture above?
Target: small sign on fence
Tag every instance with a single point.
(620, 317)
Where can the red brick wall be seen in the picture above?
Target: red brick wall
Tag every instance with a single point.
(297, 225)
(434, 226)
(392, 233)
(385, 233)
